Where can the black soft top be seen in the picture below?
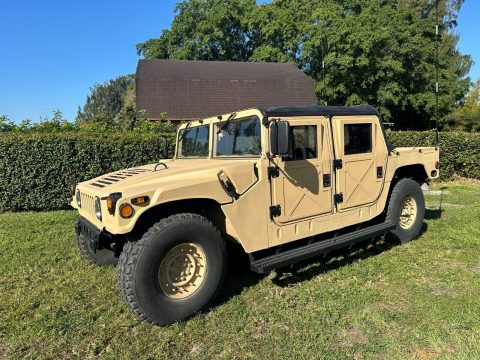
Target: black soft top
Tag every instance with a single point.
(320, 110)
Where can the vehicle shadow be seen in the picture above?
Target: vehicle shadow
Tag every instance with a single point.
(239, 277)
(311, 268)
(435, 213)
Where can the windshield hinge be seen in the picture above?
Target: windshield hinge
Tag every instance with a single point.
(275, 210)
(273, 172)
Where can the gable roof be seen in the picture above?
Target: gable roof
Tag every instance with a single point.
(189, 90)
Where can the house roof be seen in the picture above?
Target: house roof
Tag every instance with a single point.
(320, 110)
(188, 90)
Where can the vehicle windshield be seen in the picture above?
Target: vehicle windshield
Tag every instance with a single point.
(193, 141)
(238, 138)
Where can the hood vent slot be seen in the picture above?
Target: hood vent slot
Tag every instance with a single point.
(113, 178)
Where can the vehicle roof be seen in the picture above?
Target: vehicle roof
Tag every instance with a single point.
(320, 110)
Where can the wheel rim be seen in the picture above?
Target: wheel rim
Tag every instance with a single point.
(408, 212)
(182, 270)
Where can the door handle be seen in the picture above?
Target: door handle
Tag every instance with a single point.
(227, 185)
(379, 172)
(327, 180)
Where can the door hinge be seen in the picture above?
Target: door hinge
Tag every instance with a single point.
(273, 172)
(275, 211)
(338, 198)
(337, 164)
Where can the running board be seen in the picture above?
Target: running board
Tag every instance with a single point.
(268, 263)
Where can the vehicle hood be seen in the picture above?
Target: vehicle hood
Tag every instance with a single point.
(176, 173)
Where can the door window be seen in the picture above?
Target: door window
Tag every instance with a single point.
(357, 138)
(303, 143)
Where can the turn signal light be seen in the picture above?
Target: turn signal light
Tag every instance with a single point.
(437, 165)
(112, 202)
(126, 211)
(141, 200)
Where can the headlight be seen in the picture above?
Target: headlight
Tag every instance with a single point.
(79, 199)
(98, 208)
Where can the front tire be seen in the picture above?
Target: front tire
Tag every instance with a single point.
(175, 270)
(406, 210)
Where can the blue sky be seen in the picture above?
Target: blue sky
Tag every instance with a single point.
(52, 52)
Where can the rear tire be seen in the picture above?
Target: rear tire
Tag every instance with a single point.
(406, 210)
(175, 270)
(103, 257)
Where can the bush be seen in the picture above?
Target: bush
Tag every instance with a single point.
(36, 169)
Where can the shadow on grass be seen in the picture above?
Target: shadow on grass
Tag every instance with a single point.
(239, 277)
(435, 214)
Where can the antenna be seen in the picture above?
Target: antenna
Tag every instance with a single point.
(436, 72)
(323, 68)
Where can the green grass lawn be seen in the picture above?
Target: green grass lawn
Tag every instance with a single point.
(420, 300)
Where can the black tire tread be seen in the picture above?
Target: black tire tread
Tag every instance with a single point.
(394, 196)
(132, 252)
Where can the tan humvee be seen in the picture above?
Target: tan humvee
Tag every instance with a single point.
(285, 183)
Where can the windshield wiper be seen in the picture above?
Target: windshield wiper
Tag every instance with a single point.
(227, 122)
(185, 131)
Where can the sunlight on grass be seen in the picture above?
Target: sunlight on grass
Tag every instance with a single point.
(420, 300)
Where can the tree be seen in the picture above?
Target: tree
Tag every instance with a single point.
(106, 101)
(467, 116)
(112, 106)
(204, 30)
(358, 51)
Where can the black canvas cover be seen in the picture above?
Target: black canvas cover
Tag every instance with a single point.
(320, 110)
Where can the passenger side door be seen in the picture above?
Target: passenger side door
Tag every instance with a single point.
(360, 158)
(303, 185)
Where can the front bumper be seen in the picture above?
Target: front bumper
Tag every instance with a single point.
(99, 239)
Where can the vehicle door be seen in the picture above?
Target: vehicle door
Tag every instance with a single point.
(360, 160)
(302, 186)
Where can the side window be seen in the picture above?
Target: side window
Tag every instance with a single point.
(303, 143)
(357, 138)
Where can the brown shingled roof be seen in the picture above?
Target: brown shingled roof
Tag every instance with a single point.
(188, 90)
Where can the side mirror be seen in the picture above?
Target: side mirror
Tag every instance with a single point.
(279, 137)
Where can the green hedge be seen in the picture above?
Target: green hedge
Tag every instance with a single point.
(459, 151)
(36, 170)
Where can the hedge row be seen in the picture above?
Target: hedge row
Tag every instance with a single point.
(36, 170)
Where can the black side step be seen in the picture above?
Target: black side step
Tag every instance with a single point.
(268, 263)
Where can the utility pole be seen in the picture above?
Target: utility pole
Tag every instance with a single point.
(436, 71)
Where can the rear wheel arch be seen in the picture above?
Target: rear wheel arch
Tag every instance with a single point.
(415, 172)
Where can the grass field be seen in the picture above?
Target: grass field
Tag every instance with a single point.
(420, 300)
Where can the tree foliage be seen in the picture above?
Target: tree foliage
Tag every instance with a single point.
(111, 104)
(358, 51)
(467, 116)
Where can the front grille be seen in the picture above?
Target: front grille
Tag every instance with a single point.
(88, 203)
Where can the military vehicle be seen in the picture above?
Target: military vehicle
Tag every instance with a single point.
(285, 183)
